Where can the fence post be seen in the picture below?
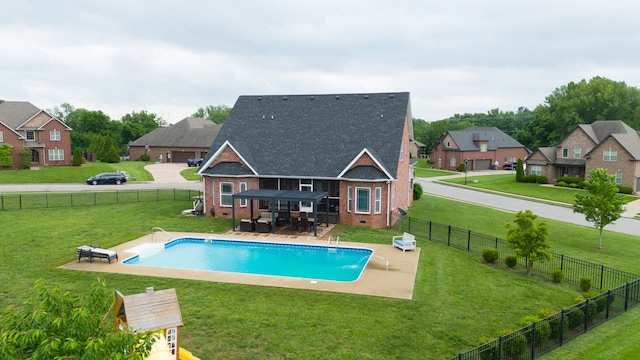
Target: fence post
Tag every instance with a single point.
(626, 297)
(469, 240)
(449, 236)
(46, 200)
(20, 197)
(586, 315)
(2, 200)
(496, 242)
(562, 262)
(608, 304)
(430, 223)
(533, 340)
(409, 225)
(561, 326)
(601, 275)
(95, 201)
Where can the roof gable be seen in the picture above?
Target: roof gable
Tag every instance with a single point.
(152, 310)
(15, 113)
(315, 135)
(469, 138)
(188, 132)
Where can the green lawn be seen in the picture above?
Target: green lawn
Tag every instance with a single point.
(507, 184)
(457, 298)
(74, 174)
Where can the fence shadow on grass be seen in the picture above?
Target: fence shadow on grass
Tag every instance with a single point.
(552, 331)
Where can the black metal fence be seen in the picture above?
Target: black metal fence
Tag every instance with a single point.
(85, 198)
(551, 332)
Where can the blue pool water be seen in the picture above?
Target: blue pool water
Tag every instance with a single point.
(261, 258)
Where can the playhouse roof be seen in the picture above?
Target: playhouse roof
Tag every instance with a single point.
(153, 310)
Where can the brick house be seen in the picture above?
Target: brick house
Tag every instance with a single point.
(343, 157)
(609, 144)
(480, 147)
(22, 125)
(188, 138)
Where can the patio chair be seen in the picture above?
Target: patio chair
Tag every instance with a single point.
(405, 242)
(95, 252)
(295, 223)
(304, 224)
(263, 226)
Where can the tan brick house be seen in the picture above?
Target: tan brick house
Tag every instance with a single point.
(481, 148)
(608, 144)
(23, 125)
(344, 157)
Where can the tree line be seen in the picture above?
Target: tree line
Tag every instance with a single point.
(566, 107)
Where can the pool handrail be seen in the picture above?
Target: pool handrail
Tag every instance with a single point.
(160, 229)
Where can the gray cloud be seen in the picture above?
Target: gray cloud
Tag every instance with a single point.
(170, 58)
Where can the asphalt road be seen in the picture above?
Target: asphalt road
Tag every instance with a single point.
(506, 203)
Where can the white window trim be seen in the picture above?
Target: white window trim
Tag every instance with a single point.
(243, 187)
(562, 153)
(618, 179)
(33, 134)
(1, 136)
(577, 153)
(611, 155)
(225, 194)
(358, 200)
(349, 199)
(54, 135)
(483, 147)
(55, 154)
(377, 208)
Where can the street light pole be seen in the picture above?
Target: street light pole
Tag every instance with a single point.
(466, 164)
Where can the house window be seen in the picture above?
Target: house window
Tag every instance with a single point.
(448, 143)
(452, 161)
(619, 177)
(577, 153)
(1, 137)
(378, 201)
(349, 199)
(172, 339)
(56, 154)
(536, 170)
(576, 171)
(363, 200)
(30, 135)
(243, 187)
(565, 153)
(483, 147)
(226, 192)
(610, 155)
(54, 135)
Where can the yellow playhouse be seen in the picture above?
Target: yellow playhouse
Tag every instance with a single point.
(155, 311)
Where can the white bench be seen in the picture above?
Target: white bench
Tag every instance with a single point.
(405, 242)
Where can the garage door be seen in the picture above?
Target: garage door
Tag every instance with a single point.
(182, 156)
(483, 164)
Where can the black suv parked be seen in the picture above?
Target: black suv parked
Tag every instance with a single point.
(108, 178)
(194, 162)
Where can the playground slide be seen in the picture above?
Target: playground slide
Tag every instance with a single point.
(186, 355)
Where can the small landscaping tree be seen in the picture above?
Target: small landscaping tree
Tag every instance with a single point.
(77, 157)
(417, 191)
(603, 204)
(529, 240)
(59, 325)
(5, 156)
(26, 158)
(519, 171)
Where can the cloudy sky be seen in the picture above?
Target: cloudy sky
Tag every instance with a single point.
(172, 57)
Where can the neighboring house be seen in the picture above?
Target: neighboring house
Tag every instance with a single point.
(345, 155)
(22, 125)
(609, 144)
(189, 138)
(417, 149)
(482, 148)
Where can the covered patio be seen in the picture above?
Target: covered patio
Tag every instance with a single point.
(289, 196)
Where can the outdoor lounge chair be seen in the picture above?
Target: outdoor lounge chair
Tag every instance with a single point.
(405, 242)
(91, 252)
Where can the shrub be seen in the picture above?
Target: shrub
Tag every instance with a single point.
(575, 318)
(25, 158)
(515, 346)
(461, 167)
(144, 157)
(77, 157)
(625, 189)
(490, 255)
(417, 191)
(519, 171)
(567, 180)
(511, 260)
(543, 329)
(585, 284)
(488, 351)
(557, 276)
(532, 179)
(541, 179)
(561, 183)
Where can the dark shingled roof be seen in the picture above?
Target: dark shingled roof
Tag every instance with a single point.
(465, 139)
(228, 168)
(189, 132)
(315, 135)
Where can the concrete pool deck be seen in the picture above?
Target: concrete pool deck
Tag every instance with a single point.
(396, 282)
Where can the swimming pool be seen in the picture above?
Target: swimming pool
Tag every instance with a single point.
(313, 262)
